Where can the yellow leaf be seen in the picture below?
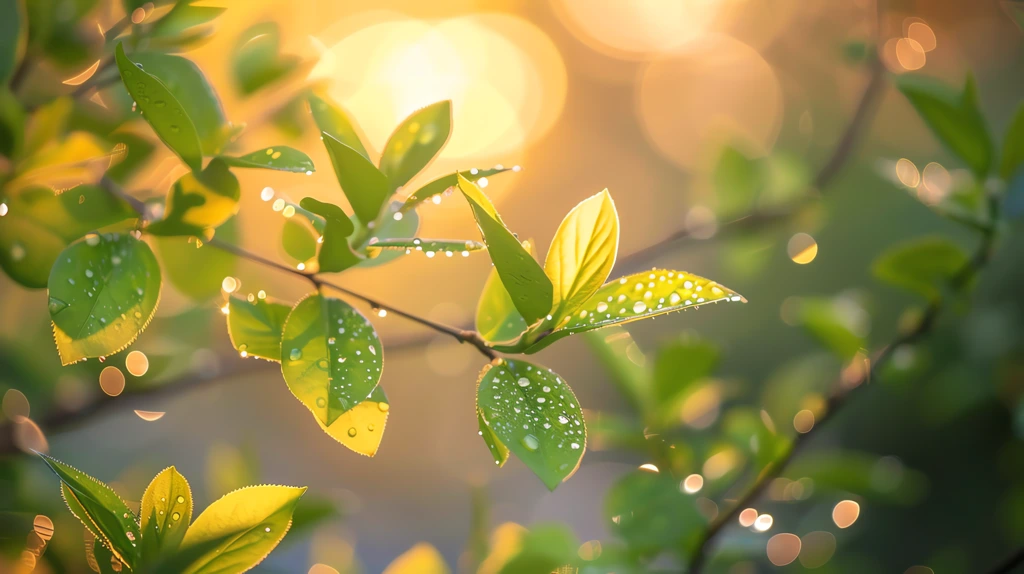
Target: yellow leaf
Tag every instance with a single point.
(420, 559)
(506, 542)
(582, 253)
(361, 428)
(165, 515)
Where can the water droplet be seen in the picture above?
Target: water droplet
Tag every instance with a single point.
(524, 382)
(295, 355)
(370, 427)
(331, 341)
(352, 431)
(562, 419)
(176, 515)
(181, 499)
(639, 307)
(267, 194)
(575, 446)
(160, 103)
(175, 128)
(383, 407)
(321, 402)
(322, 364)
(267, 529)
(56, 305)
(88, 273)
(530, 442)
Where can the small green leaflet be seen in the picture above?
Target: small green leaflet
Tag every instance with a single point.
(430, 247)
(299, 239)
(103, 292)
(830, 322)
(165, 514)
(199, 200)
(162, 110)
(444, 184)
(280, 158)
(532, 412)
(255, 325)
(100, 510)
(497, 319)
(335, 253)
(415, 143)
(331, 356)
(392, 225)
(922, 266)
(331, 119)
(523, 277)
(364, 185)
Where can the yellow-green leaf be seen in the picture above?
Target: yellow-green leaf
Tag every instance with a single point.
(522, 276)
(415, 143)
(361, 428)
(497, 318)
(582, 253)
(335, 252)
(444, 184)
(255, 326)
(199, 200)
(249, 523)
(420, 559)
(364, 185)
(165, 515)
(923, 265)
(280, 158)
(330, 118)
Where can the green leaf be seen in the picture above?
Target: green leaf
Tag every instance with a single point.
(330, 118)
(834, 323)
(625, 362)
(96, 551)
(255, 327)
(430, 247)
(280, 158)
(193, 92)
(533, 413)
(1013, 145)
(632, 298)
(194, 269)
(679, 364)
(415, 143)
(365, 187)
(955, 118)
(335, 253)
(650, 513)
(39, 224)
(253, 520)
(545, 548)
(256, 62)
(299, 239)
(79, 158)
(198, 201)
(737, 180)
(861, 474)
(361, 428)
(165, 515)
(101, 511)
(13, 37)
(922, 266)
(582, 253)
(162, 110)
(12, 124)
(522, 276)
(497, 448)
(177, 26)
(388, 227)
(420, 559)
(139, 150)
(497, 318)
(331, 356)
(445, 183)
(103, 292)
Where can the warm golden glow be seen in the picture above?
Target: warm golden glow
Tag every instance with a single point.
(802, 248)
(693, 483)
(803, 421)
(84, 76)
(137, 363)
(321, 569)
(112, 381)
(720, 463)
(763, 522)
(818, 548)
(910, 54)
(590, 550)
(648, 467)
(29, 437)
(845, 513)
(783, 548)
(15, 404)
(747, 517)
(150, 416)
(701, 408)
(922, 34)
(907, 173)
(229, 284)
(936, 184)
(43, 527)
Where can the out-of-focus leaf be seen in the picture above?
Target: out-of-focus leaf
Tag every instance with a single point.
(834, 324)
(335, 253)
(798, 384)
(361, 428)
(197, 271)
(101, 511)
(522, 276)
(535, 414)
(13, 37)
(582, 253)
(255, 518)
(544, 548)
(298, 239)
(330, 118)
(54, 32)
(506, 541)
(406, 225)
(497, 318)
(954, 117)
(309, 514)
(364, 185)
(191, 89)
(181, 26)
(138, 151)
(199, 200)
(255, 60)
(415, 143)
(105, 562)
(420, 559)
(883, 479)
(737, 179)
(79, 158)
(230, 468)
(1015, 10)
(48, 123)
(624, 360)
(255, 327)
(280, 158)
(290, 118)
(1013, 145)
(331, 356)
(679, 364)
(445, 184)
(430, 247)
(103, 292)
(165, 515)
(923, 266)
(40, 224)
(162, 110)
(632, 298)
(12, 124)
(651, 514)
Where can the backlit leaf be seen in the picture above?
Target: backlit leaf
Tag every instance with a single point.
(830, 322)
(522, 276)
(280, 158)
(361, 428)
(165, 515)
(582, 253)
(256, 61)
(1013, 144)
(737, 179)
(330, 118)
(533, 413)
(415, 143)
(162, 110)
(430, 247)
(331, 356)
(921, 265)
(497, 318)
(13, 38)
(100, 510)
(545, 548)
(255, 327)
(678, 365)
(364, 185)
(445, 184)
(299, 239)
(79, 158)
(335, 253)
(195, 269)
(182, 22)
(420, 559)
(650, 512)
(39, 224)
(254, 520)
(497, 448)
(199, 200)
(103, 292)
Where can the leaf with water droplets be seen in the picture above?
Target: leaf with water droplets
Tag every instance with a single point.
(331, 119)
(165, 514)
(40, 224)
(255, 327)
(632, 298)
(497, 448)
(170, 121)
(497, 318)
(100, 509)
(247, 523)
(522, 276)
(443, 184)
(922, 266)
(199, 200)
(415, 143)
(103, 292)
(532, 412)
(430, 247)
(361, 428)
(422, 558)
(582, 253)
(364, 185)
(331, 356)
(280, 158)
(335, 253)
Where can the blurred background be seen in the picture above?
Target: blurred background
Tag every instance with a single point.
(639, 97)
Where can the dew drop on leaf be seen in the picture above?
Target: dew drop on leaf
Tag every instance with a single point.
(56, 305)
